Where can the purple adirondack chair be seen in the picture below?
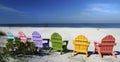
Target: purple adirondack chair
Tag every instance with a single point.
(36, 37)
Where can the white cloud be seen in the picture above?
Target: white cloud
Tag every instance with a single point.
(8, 9)
(96, 9)
(103, 8)
(100, 12)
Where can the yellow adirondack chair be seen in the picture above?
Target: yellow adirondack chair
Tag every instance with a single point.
(81, 45)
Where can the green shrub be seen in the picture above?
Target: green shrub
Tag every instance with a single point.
(2, 33)
(4, 55)
(16, 50)
(20, 48)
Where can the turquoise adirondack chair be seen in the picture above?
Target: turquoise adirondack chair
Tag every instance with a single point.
(57, 43)
(11, 36)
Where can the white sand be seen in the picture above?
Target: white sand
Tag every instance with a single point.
(67, 33)
(55, 57)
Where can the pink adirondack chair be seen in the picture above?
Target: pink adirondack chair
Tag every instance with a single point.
(106, 46)
(22, 37)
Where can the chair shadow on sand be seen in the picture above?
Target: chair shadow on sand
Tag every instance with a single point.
(63, 52)
(90, 53)
(117, 52)
(67, 51)
(41, 53)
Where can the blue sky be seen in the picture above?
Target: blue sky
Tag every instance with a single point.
(59, 11)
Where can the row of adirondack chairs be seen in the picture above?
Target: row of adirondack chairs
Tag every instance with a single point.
(36, 37)
(81, 43)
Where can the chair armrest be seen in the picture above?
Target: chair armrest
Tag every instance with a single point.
(45, 39)
(96, 44)
(66, 42)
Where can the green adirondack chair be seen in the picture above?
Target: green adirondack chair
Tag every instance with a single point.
(57, 43)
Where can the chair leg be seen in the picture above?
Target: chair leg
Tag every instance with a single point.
(94, 51)
(48, 46)
(113, 54)
(100, 55)
(73, 53)
(61, 52)
(66, 47)
(38, 49)
(50, 50)
(86, 54)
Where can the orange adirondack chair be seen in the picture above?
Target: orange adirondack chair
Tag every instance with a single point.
(81, 45)
(106, 46)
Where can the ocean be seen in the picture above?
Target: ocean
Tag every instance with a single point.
(96, 25)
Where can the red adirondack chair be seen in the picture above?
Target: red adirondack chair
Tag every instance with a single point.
(106, 46)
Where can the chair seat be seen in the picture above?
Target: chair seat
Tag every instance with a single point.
(64, 44)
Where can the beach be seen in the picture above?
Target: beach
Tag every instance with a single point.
(69, 33)
(56, 57)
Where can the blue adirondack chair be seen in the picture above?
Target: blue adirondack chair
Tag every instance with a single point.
(11, 36)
